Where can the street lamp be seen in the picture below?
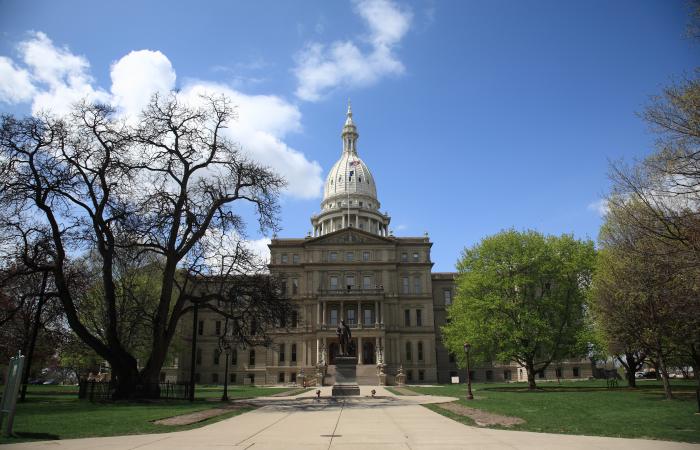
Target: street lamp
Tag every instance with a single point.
(470, 396)
(225, 345)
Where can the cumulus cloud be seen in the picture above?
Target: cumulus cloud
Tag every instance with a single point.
(599, 206)
(137, 76)
(323, 67)
(54, 79)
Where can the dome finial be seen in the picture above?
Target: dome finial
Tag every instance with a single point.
(349, 113)
(349, 132)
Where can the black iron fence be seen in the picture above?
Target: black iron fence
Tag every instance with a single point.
(95, 391)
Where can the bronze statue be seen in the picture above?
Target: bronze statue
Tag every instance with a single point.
(344, 336)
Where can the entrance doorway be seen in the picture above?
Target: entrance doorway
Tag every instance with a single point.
(368, 353)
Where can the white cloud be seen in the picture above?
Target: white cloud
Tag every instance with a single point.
(137, 76)
(599, 206)
(54, 79)
(16, 85)
(320, 67)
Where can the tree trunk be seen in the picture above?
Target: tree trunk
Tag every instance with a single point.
(530, 367)
(630, 369)
(661, 363)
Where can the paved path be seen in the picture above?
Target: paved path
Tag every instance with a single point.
(388, 422)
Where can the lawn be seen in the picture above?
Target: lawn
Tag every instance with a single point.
(54, 412)
(586, 407)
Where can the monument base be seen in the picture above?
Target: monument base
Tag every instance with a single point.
(345, 377)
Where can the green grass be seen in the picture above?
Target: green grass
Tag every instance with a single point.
(586, 407)
(54, 412)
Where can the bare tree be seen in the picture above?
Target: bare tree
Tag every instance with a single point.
(105, 193)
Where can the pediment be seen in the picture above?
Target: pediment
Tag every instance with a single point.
(348, 236)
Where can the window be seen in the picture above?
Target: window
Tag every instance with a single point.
(577, 373)
(217, 356)
(199, 356)
(285, 258)
(557, 372)
(283, 286)
(295, 319)
(294, 353)
(365, 256)
(251, 377)
(215, 378)
(419, 317)
(351, 316)
(408, 351)
(447, 295)
(404, 257)
(295, 259)
(349, 256)
(421, 375)
(350, 281)
(333, 256)
(334, 283)
(367, 282)
(251, 358)
(281, 353)
(417, 286)
(415, 257)
(507, 375)
(280, 377)
(489, 375)
(217, 326)
(407, 318)
(293, 377)
(368, 317)
(420, 351)
(409, 375)
(283, 320)
(295, 286)
(404, 285)
(541, 374)
(234, 357)
(232, 378)
(200, 327)
(334, 317)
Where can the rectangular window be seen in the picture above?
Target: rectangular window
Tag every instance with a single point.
(420, 351)
(281, 353)
(489, 375)
(232, 378)
(408, 351)
(350, 281)
(507, 375)
(234, 357)
(577, 372)
(404, 285)
(404, 257)
(447, 295)
(293, 377)
(349, 256)
(200, 327)
(285, 258)
(419, 318)
(334, 317)
(295, 259)
(407, 318)
(333, 256)
(415, 257)
(365, 256)
(199, 356)
(368, 317)
(366, 282)
(294, 353)
(283, 286)
(251, 377)
(215, 378)
(421, 375)
(251, 358)
(409, 375)
(541, 374)
(351, 316)
(557, 372)
(295, 286)
(280, 377)
(217, 327)
(417, 289)
(217, 356)
(334, 283)
(295, 319)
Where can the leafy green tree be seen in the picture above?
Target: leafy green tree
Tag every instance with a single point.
(521, 296)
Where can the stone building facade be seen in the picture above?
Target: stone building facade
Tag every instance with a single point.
(350, 267)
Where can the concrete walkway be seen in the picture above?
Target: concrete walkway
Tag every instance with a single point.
(388, 422)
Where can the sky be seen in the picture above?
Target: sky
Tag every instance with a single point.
(474, 116)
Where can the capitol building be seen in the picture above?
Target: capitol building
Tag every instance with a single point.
(351, 267)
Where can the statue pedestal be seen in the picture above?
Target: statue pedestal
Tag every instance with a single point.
(345, 377)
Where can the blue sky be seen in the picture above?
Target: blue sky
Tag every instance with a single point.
(474, 116)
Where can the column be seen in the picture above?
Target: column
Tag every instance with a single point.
(357, 221)
(318, 350)
(318, 312)
(376, 350)
(323, 313)
(359, 351)
(342, 310)
(343, 220)
(376, 312)
(381, 313)
(359, 314)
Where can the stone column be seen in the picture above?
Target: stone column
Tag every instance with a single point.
(323, 313)
(381, 313)
(359, 351)
(343, 220)
(359, 314)
(376, 312)
(342, 310)
(318, 350)
(318, 312)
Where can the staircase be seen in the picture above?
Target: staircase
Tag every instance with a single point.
(367, 375)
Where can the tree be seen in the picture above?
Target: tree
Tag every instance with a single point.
(103, 190)
(520, 296)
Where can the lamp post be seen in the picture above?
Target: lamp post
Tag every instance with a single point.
(225, 345)
(470, 396)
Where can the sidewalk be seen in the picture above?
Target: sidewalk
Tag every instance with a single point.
(388, 422)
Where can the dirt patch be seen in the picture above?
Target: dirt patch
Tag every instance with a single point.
(481, 418)
(199, 416)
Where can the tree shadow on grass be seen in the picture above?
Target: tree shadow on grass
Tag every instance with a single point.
(37, 436)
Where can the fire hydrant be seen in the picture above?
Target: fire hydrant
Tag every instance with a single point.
(318, 393)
